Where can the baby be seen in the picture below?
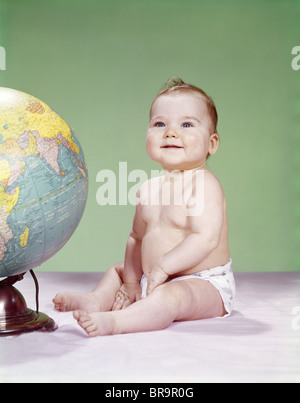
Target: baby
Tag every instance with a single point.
(177, 263)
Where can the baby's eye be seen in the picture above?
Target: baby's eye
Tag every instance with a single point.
(186, 124)
(159, 124)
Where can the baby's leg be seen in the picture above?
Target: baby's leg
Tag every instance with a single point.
(188, 299)
(100, 299)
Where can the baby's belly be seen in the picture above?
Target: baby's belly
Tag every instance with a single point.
(156, 243)
(161, 240)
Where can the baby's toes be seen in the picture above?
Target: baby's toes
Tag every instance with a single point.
(59, 303)
(91, 329)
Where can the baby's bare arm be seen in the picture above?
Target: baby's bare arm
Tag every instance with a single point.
(133, 256)
(130, 290)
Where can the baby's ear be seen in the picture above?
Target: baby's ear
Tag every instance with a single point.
(213, 143)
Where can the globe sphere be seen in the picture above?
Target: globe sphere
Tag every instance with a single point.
(43, 182)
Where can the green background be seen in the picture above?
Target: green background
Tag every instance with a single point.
(99, 64)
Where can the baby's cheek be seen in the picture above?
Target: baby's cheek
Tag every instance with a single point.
(195, 142)
(151, 147)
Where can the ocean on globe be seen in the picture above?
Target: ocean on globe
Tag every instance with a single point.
(43, 182)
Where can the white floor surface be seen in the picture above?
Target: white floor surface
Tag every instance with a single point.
(259, 342)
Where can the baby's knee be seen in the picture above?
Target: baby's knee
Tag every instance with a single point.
(180, 297)
(172, 292)
(118, 268)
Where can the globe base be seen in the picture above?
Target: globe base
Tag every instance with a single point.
(16, 318)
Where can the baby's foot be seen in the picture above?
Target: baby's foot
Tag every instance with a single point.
(97, 323)
(69, 301)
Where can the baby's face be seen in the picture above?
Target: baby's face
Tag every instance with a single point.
(179, 132)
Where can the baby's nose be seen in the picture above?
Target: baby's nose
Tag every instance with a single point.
(170, 132)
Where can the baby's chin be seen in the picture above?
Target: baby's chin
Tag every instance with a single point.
(184, 167)
(174, 162)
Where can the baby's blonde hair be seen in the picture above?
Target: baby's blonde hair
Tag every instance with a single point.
(177, 84)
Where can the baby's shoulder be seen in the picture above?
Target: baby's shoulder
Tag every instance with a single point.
(211, 178)
(212, 183)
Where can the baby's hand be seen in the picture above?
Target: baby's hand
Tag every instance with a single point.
(127, 294)
(157, 277)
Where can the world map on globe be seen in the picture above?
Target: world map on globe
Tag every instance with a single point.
(43, 182)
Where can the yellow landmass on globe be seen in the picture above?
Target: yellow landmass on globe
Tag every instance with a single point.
(9, 173)
(37, 115)
(11, 149)
(4, 172)
(9, 199)
(24, 237)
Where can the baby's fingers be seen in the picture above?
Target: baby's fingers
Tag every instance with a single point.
(126, 304)
(116, 306)
(122, 300)
(118, 302)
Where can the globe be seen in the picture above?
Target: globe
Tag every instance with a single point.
(43, 182)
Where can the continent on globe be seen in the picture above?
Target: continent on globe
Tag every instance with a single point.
(43, 182)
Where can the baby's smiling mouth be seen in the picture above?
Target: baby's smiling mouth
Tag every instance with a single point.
(171, 146)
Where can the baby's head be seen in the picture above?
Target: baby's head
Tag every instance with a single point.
(176, 85)
(182, 131)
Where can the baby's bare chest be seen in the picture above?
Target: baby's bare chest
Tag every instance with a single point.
(170, 215)
(165, 203)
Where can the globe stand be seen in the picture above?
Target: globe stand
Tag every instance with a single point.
(15, 317)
